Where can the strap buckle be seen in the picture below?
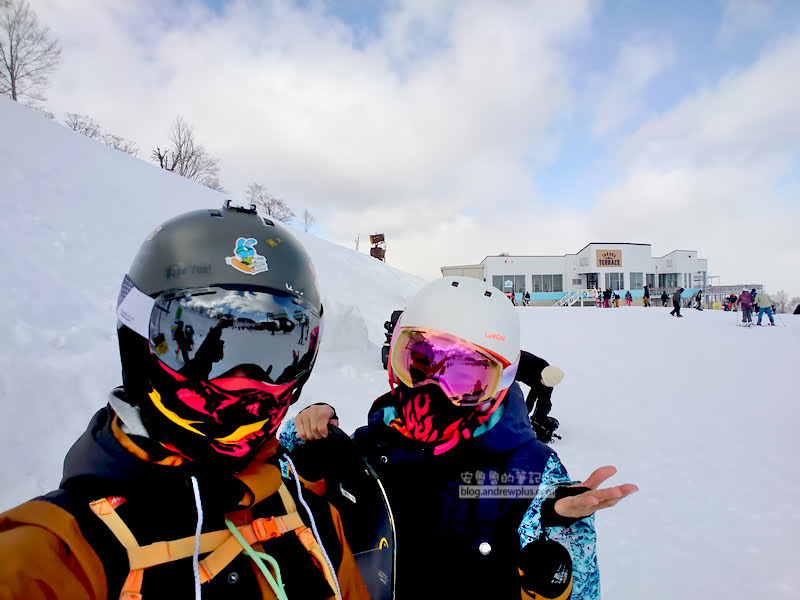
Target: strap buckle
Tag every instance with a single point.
(266, 528)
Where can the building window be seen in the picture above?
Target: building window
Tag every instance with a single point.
(637, 281)
(651, 279)
(509, 283)
(548, 283)
(577, 281)
(615, 281)
(668, 280)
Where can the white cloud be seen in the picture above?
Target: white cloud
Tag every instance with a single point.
(418, 125)
(422, 131)
(746, 117)
(708, 175)
(742, 16)
(618, 96)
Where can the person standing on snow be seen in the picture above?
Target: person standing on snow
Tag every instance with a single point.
(698, 299)
(455, 418)
(646, 297)
(664, 298)
(628, 298)
(733, 301)
(746, 301)
(764, 303)
(178, 476)
(676, 302)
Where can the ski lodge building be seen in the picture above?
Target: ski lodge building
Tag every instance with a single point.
(575, 278)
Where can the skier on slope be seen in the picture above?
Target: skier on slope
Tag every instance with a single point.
(455, 418)
(764, 304)
(746, 302)
(177, 477)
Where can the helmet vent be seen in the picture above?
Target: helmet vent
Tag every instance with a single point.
(454, 284)
(215, 213)
(268, 222)
(487, 294)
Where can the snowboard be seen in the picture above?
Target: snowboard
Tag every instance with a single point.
(355, 490)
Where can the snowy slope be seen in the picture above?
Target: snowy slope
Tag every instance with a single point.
(699, 413)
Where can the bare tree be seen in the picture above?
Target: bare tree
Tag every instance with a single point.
(120, 143)
(87, 126)
(28, 54)
(358, 239)
(780, 301)
(794, 304)
(186, 157)
(84, 125)
(271, 205)
(308, 220)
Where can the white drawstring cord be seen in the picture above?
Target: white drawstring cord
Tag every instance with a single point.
(197, 531)
(314, 527)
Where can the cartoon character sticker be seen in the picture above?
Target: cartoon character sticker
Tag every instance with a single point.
(246, 259)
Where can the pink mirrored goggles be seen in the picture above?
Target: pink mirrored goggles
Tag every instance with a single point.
(468, 374)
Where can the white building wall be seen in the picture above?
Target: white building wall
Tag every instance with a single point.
(623, 258)
(634, 258)
(692, 271)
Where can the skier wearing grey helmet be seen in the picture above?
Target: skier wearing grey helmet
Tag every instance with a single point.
(175, 489)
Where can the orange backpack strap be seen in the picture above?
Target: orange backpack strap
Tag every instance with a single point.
(220, 546)
(306, 537)
(132, 588)
(259, 530)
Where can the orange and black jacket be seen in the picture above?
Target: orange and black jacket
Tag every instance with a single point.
(56, 547)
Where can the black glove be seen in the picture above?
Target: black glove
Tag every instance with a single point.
(549, 516)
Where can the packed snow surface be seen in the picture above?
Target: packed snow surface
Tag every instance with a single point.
(700, 414)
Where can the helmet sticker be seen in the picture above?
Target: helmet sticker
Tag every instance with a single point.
(246, 259)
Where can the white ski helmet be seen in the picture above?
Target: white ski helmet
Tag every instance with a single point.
(471, 310)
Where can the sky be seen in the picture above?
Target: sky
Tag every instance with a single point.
(466, 129)
(707, 430)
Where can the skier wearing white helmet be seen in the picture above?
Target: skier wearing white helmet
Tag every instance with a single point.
(482, 509)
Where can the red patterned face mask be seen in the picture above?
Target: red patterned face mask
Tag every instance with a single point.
(224, 418)
(426, 414)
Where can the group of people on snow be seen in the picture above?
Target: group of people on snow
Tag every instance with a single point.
(753, 301)
(182, 487)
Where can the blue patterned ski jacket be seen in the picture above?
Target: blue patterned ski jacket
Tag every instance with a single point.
(462, 516)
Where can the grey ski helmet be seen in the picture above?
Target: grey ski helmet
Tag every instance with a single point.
(219, 323)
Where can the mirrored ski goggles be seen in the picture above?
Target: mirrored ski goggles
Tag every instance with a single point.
(466, 373)
(212, 332)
